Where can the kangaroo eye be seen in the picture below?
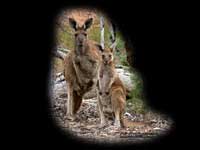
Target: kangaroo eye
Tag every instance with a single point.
(107, 93)
(103, 56)
(100, 93)
(110, 56)
(76, 34)
(84, 34)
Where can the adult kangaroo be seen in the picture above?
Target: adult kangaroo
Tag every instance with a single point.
(80, 67)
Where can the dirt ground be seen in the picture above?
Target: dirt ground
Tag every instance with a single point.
(86, 126)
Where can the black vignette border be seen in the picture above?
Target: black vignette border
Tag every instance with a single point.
(143, 26)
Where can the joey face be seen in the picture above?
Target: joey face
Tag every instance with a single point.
(106, 54)
(107, 57)
(104, 94)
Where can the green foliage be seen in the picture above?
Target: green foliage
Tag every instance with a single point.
(121, 53)
(65, 39)
(123, 60)
(136, 96)
(120, 41)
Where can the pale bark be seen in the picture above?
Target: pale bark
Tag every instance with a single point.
(102, 31)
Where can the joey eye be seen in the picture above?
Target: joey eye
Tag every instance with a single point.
(110, 55)
(100, 93)
(76, 34)
(84, 34)
(103, 56)
(107, 93)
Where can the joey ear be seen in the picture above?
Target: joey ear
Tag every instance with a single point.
(113, 46)
(99, 47)
(88, 23)
(73, 23)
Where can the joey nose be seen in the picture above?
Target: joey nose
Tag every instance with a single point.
(107, 93)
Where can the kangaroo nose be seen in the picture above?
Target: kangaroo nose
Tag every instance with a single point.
(81, 38)
(80, 42)
(105, 62)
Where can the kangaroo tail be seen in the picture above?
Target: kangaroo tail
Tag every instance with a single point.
(131, 124)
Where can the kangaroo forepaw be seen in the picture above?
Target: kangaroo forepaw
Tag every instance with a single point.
(117, 124)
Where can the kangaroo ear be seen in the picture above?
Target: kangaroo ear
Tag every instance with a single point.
(88, 23)
(113, 46)
(72, 23)
(99, 47)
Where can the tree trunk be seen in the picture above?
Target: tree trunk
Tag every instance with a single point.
(102, 31)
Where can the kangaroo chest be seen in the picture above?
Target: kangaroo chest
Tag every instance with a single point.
(104, 81)
(86, 71)
(105, 78)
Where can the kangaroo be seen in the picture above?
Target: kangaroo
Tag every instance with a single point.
(80, 67)
(111, 92)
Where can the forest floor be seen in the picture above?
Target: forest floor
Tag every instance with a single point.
(86, 126)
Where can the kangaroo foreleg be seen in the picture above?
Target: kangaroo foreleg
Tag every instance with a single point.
(102, 117)
(70, 102)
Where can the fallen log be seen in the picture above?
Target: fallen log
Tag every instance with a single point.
(59, 54)
(65, 50)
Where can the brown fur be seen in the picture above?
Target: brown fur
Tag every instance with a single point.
(81, 68)
(112, 93)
